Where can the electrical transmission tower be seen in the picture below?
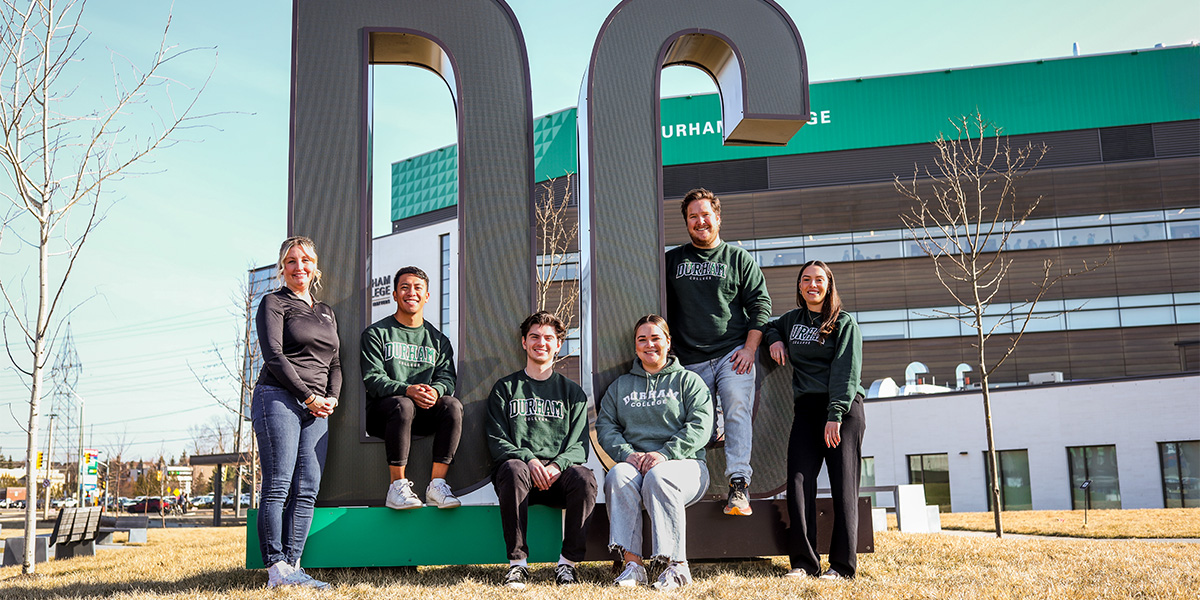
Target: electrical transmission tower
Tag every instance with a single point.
(64, 377)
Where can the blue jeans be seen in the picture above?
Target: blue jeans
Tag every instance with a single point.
(665, 491)
(736, 394)
(292, 444)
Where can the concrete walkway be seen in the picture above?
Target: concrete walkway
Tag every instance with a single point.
(1023, 536)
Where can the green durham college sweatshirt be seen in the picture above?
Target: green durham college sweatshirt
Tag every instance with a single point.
(833, 367)
(714, 298)
(546, 420)
(670, 412)
(395, 356)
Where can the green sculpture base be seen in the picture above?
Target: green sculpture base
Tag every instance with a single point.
(377, 536)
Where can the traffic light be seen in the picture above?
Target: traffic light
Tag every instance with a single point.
(39, 460)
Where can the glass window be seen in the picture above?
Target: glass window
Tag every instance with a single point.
(444, 283)
(881, 235)
(1148, 216)
(827, 239)
(933, 472)
(866, 476)
(1187, 298)
(1183, 230)
(1082, 221)
(1090, 303)
(878, 250)
(1141, 317)
(783, 242)
(1030, 240)
(777, 258)
(1015, 491)
(1147, 232)
(1044, 322)
(1180, 473)
(1145, 300)
(1085, 237)
(895, 330)
(1093, 319)
(875, 316)
(829, 254)
(929, 328)
(1097, 464)
(1176, 214)
(1187, 314)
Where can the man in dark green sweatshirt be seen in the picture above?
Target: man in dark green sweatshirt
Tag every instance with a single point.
(717, 304)
(538, 436)
(408, 370)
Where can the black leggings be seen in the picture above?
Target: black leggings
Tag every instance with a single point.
(396, 419)
(806, 453)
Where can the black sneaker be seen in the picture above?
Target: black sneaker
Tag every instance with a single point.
(739, 499)
(516, 577)
(565, 574)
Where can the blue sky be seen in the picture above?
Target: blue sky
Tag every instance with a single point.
(160, 272)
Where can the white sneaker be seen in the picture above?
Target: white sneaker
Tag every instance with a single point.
(438, 494)
(277, 572)
(633, 575)
(400, 495)
(832, 574)
(675, 576)
(301, 579)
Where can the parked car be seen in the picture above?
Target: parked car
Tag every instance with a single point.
(205, 501)
(150, 505)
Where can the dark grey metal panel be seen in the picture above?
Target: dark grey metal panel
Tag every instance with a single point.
(1177, 138)
(424, 219)
(865, 165)
(478, 46)
(1127, 143)
(753, 51)
(717, 177)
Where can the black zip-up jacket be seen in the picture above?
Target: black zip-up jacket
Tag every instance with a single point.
(299, 345)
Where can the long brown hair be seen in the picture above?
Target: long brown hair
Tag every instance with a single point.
(831, 308)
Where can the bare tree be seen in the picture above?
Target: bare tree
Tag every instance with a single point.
(59, 166)
(963, 222)
(558, 235)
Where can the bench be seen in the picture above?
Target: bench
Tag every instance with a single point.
(376, 536)
(135, 526)
(75, 532)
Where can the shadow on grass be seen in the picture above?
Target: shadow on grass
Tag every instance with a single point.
(223, 582)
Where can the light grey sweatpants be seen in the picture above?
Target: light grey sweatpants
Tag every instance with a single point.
(664, 492)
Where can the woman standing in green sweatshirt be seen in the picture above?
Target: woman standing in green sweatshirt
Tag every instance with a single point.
(824, 346)
(655, 421)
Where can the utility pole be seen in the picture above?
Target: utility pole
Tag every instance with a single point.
(49, 461)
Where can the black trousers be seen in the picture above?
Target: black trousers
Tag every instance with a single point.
(397, 418)
(806, 452)
(574, 491)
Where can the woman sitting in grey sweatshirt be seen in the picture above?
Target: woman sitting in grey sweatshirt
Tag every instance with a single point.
(654, 421)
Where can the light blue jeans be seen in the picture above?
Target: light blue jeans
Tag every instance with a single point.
(665, 491)
(736, 393)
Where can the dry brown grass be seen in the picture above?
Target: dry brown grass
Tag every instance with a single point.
(1148, 523)
(206, 564)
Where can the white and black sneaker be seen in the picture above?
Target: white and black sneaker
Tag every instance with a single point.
(516, 577)
(401, 497)
(633, 575)
(439, 494)
(565, 574)
(832, 574)
(675, 576)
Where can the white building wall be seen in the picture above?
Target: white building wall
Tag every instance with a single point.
(1132, 415)
(419, 247)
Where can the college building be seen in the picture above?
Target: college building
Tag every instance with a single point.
(1105, 384)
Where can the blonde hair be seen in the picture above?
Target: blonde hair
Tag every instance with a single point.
(308, 247)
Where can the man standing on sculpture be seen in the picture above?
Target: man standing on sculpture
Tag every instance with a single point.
(408, 370)
(717, 303)
(538, 435)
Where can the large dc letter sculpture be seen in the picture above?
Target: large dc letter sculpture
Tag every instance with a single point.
(754, 53)
(477, 47)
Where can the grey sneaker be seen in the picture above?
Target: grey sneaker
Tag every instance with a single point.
(277, 572)
(516, 577)
(438, 494)
(633, 575)
(400, 495)
(302, 579)
(565, 574)
(675, 576)
(739, 498)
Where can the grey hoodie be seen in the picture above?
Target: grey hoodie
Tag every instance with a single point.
(670, 412)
